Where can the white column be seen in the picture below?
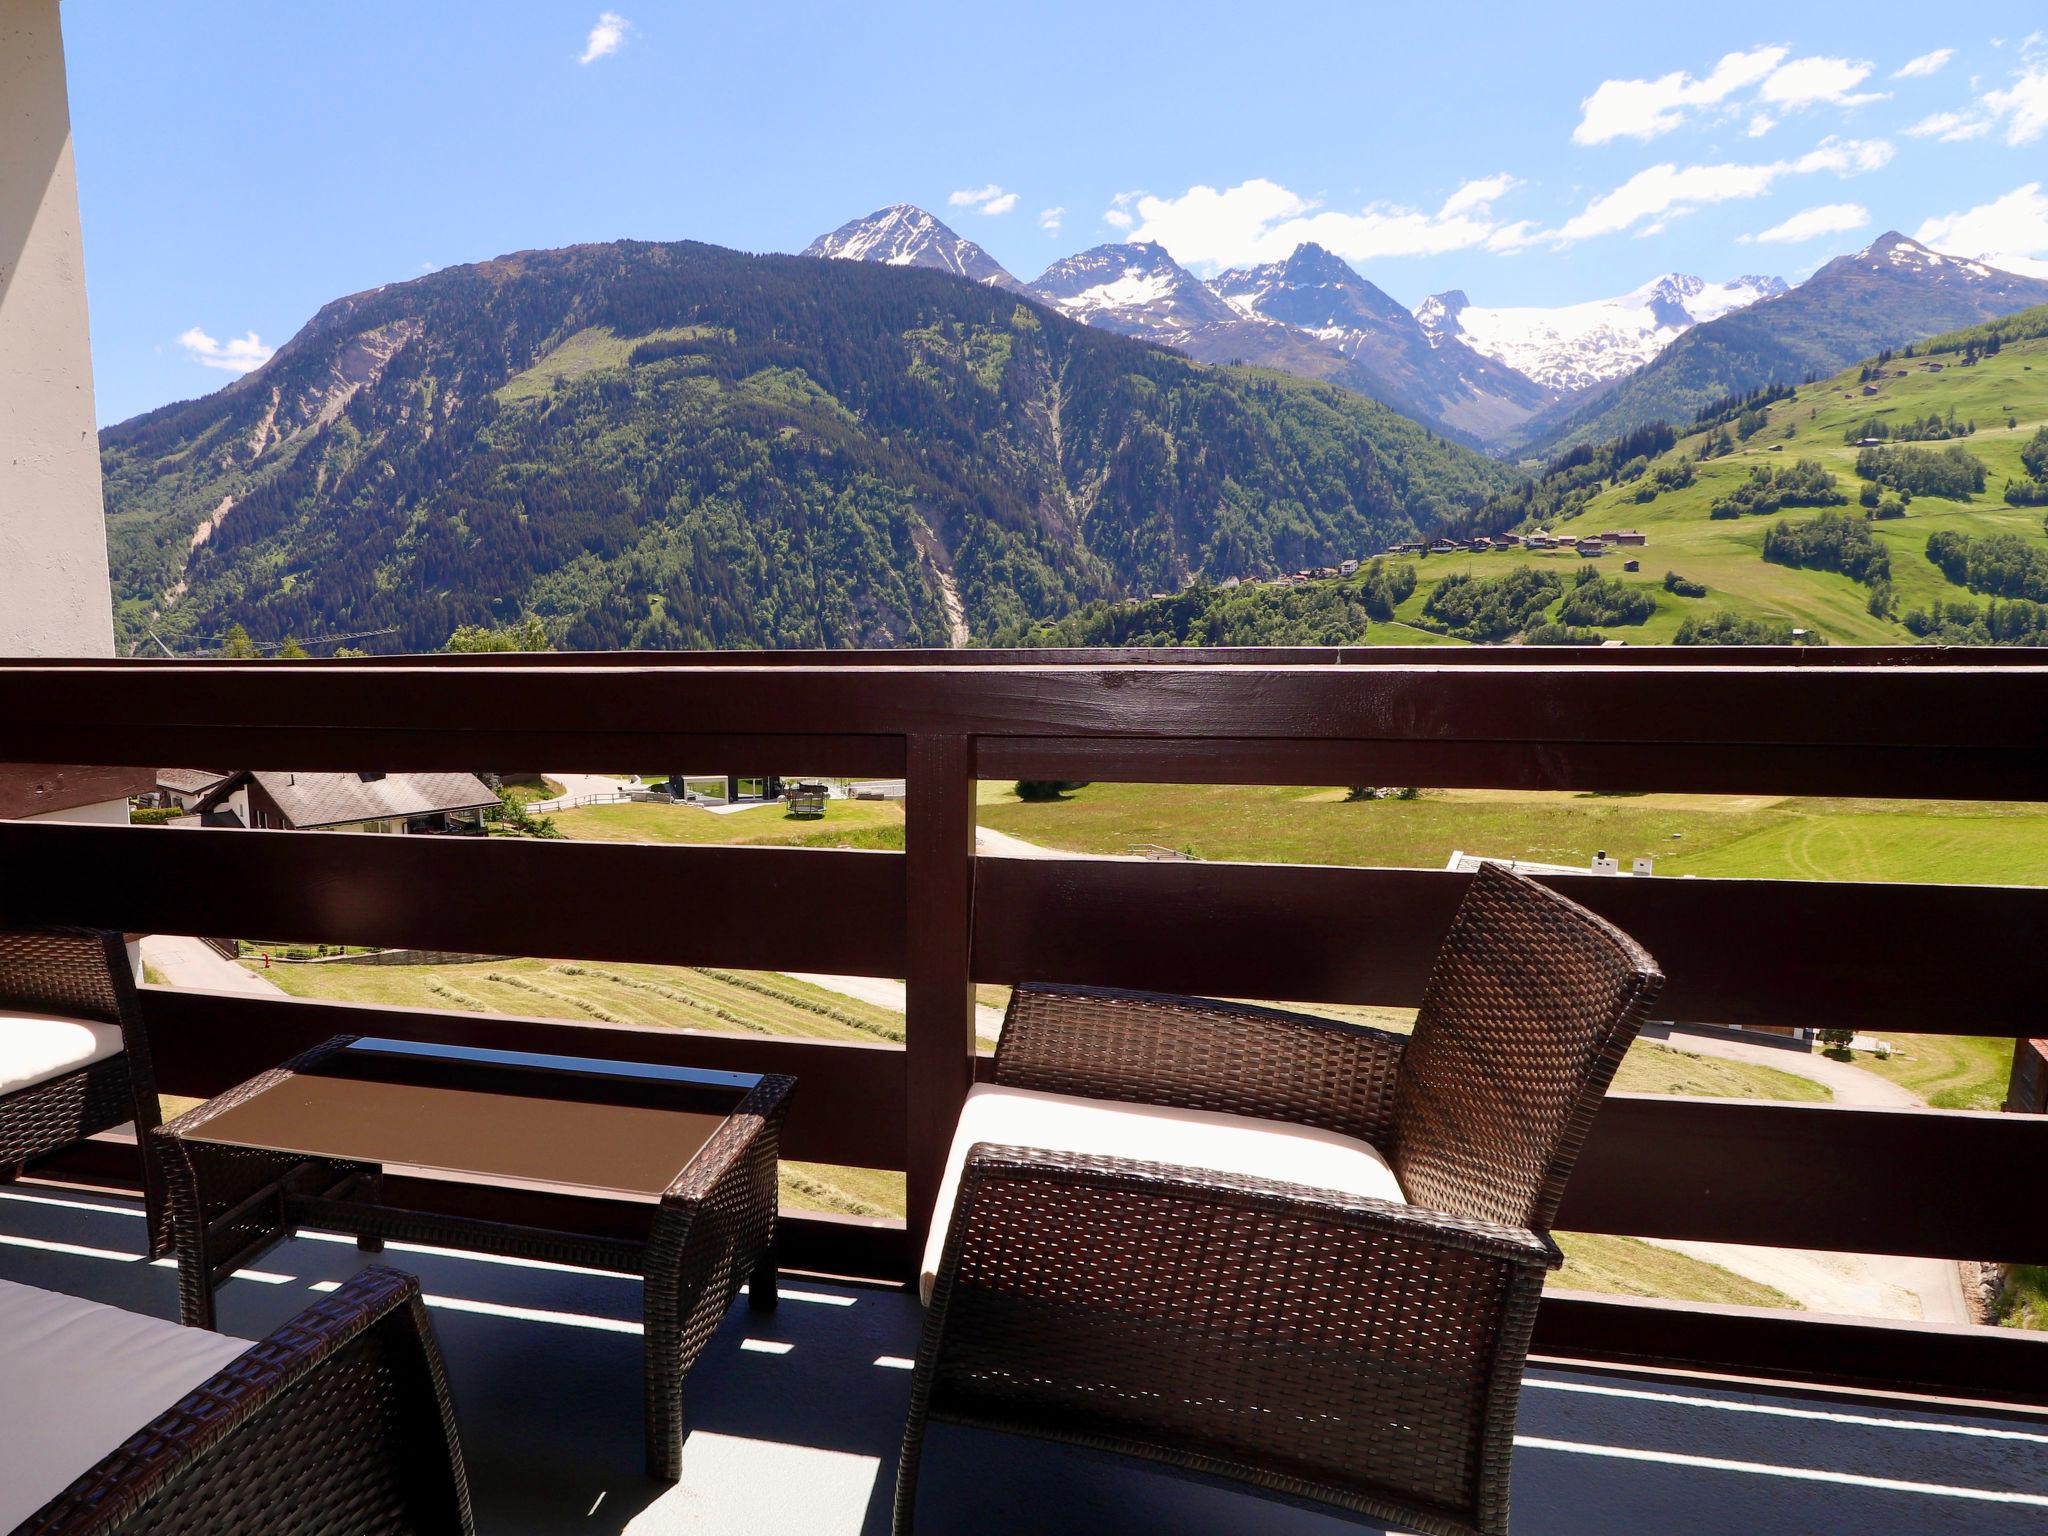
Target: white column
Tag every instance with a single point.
(54, 594)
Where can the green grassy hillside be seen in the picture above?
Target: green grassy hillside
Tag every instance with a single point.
(1726, 556)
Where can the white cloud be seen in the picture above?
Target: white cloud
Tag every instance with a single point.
(1925, 64)
(1812, 223)
(988, 199)
(1260, 220)
(2021, 110)
(1671, 190)
(1642, 109)
(2010, 232)
(2023, 106)
(607, 37)
(235, 355)
(1478, 194)
(1811, 82)
(1949, 127)
(1049, 219)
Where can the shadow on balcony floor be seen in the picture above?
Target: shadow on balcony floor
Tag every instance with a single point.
(795, 1420)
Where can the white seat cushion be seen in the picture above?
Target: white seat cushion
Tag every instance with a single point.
(80, 1378)
(35, 1047)
(1191, 1138)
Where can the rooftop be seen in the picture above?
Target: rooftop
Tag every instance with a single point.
(795, 1418)
(333, 799)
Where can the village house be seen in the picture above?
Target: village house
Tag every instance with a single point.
(349, 802)
(184, 788)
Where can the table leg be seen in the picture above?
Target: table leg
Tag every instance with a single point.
(368, 1242)
(765, 1280)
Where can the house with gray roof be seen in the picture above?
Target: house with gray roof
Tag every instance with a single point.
(349, 802)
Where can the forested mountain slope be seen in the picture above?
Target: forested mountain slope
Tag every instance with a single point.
(1898, 502)
(680, 445)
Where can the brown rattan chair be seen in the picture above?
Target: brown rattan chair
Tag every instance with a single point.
(337, 1424)
(80, 974)
(1362, 1352)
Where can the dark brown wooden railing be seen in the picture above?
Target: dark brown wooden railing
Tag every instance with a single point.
(1932, 959)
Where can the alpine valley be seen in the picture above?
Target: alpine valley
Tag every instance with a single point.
(681, 446)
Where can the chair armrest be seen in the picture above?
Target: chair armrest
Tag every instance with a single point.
(1160, 1185)
(1240, 1326)
(342, 1415)
(718, 1217)
(1198, 1053)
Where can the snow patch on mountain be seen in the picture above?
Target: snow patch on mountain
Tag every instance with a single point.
(1573, 346)
(1135, 288)
(903, 235)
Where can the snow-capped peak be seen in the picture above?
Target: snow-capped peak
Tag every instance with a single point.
(904, 235)
(1573, 346)
(1137, 281)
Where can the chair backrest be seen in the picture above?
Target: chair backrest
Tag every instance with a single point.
(1529, 1007)
(79, 972)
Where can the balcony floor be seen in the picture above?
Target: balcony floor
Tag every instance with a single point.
(795, 1419)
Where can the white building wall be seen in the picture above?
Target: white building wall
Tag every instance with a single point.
(54, 595)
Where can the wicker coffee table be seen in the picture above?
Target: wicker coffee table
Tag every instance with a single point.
(662, 1172)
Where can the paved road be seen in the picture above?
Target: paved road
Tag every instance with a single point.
(184, 962)
(1850, 1083)
(1872, 1285)
(576, 785)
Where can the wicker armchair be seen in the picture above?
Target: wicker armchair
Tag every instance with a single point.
(337, 1424)
(72, 990)
(1321, 1343)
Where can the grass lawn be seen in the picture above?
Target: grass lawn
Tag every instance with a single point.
(2025, 1301)
(1948, 1071)
(845, 824)
(1759, 836)
(677, 997)
(1628, 1266)
(527, 791)
(1652, 1067)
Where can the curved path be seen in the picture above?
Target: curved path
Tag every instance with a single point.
(1856, 1284)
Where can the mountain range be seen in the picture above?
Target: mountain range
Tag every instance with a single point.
(1477, 375)
(681, 446)
(1891, 292)
(1578, 346)
(1516, 380)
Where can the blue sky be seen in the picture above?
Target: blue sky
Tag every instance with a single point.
(242, 164)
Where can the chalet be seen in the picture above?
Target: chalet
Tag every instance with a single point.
(349, 802)
(1592, 544)
(1625, 536)
(1631, 565)
(185, 787)
(1348, 568)
(1870, 389)
(1540, 541)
